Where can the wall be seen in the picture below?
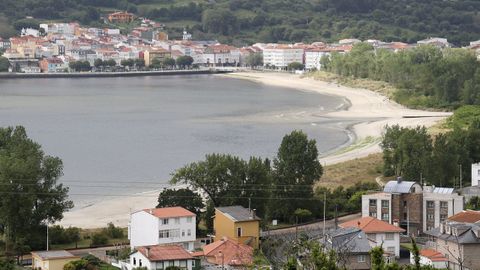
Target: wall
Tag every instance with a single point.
(223, 226)
(454, 201)
(380, 239)
(143, 229)
(476, 174)
(249, 229)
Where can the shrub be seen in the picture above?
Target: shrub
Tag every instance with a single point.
(99, 239)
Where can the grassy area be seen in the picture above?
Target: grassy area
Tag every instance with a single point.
(383, 88)
(369, 140)
(86, 241)
(353, 171)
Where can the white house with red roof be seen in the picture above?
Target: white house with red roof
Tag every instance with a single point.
(157, 226)
(160, 257)
(380, 233)
(431, 257)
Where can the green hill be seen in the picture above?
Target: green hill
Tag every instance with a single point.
(246, 21)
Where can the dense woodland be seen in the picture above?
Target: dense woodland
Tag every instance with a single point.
(247, 21)
(425, 76)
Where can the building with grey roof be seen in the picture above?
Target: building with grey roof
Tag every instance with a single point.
(459, 242)
(238, 213)
(351, 246)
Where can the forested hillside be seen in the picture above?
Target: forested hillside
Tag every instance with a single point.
(246, 21)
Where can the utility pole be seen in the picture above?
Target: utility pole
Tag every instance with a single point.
(47, 234)
(324, 211)
(408, 220)
(461, 177)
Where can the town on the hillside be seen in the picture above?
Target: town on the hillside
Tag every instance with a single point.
(69, 47)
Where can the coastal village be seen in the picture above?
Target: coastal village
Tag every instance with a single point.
(397, 216)
(55, 46)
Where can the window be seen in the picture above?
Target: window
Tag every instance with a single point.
(478, 172)
(404, 203)
(140, 262)
(239, 232)
(373, 214)
(177, 220)
(183, 233)
(430, 204)
(405, 216)
(189, 232)
(164, 234)
(189, 219)
(160, 265)
(443, 217)
(385, 216)
(361, 258)
(389, 236)
(373, 202)
(443, 204)
(183, 263)
(385, 204)
(430, 217)
(134, 261)
(391, 250)
(165, 221)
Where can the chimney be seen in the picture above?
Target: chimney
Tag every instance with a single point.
(399, 179)
(147, 251)
(253, 213)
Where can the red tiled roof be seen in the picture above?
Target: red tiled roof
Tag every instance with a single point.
(468, 216)
(169, 212)
(229, 252)
(433, 255)
(371, 225)
(164, 253)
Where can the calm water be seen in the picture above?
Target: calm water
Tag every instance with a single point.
(125, 135)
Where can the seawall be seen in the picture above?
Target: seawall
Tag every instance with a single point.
(109, 74)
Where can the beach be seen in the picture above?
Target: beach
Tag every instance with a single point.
(373, 110)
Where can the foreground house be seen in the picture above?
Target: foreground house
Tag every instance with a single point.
(226, 253)
(237, 223)
(380, 233)
(432, 258)
(170, 225)
(160, 257)
(458, 239)
(351, 246)
(52, 260)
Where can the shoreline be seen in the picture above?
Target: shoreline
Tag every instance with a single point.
(9, 75)
(371, 112)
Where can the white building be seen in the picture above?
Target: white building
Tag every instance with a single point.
(438, 205)
(157, 226)
(280, 55)
(432, 258)
(221, 55)
(380, 233)
(476, 174)
(161, 257)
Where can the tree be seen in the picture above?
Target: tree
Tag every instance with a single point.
(473, 203)
(127, 63)
(99, 239)
(184, 61)
(139, 63)
(302, 213)
(112, 231)
(184, 197)
(6, 264)
(254, 60)
(295, 66)
(111, 62)
(98, 63)
(168, 62)
(297, 169)
(31, 195)
(4, 64)
(220, 21)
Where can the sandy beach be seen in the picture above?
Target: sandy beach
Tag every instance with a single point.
(375, 110)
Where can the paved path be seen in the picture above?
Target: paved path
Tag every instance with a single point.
(312, 226)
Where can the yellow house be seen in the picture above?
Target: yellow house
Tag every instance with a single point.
(51, 260)
(159, 53)
(237, 223)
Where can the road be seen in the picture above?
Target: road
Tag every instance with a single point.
(317, 226)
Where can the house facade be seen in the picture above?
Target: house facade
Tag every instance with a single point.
(52, 65)
(458, 239)
(160, 257)
(226, 253)
(413, 208)
(281, 55)
(221, 55)
(431, 258)
(158, 53)
(170, 225)
(476, 174)
(237, 223)
(380, 233)
(120, 17)
(51, 260)
(438, 205)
